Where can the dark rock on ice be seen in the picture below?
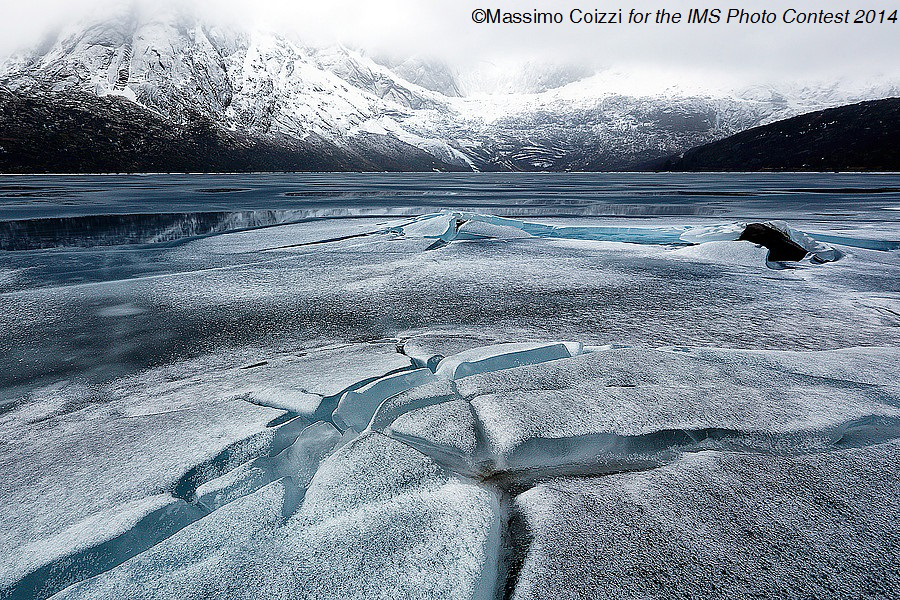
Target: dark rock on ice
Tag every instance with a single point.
(780, 246)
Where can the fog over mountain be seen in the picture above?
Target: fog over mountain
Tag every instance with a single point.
(443, 31)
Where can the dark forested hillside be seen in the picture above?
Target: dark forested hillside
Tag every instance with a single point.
(858, 137)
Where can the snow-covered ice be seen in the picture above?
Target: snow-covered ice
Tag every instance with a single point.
(718, 524)
(741, 253)
(426, 532)
(447, 429)
(360, 402)
(633, 405)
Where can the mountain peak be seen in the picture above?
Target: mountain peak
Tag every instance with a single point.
(276, 89)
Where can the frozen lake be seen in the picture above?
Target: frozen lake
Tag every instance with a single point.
(538, 194)
(186, 264)
(187, 363)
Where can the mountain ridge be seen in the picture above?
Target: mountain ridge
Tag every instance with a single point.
(337, 107)
(856, 137)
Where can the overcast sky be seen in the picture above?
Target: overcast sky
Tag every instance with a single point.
(444, 29)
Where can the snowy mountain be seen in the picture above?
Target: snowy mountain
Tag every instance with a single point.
(392, 113)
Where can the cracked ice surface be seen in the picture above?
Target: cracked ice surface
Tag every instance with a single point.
(427, 534)
(166, 417)
(448, 429)
(611, 398)
(102, 458)
(448, 226)
(718, 525)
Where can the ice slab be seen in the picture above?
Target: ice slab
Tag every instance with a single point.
(503, 356)
(234, 552)
(741, 253)
(355, 408)
(284, 398)
(240, 481)
(434, 392)
(443, 543)
(382, 520)
(718, 525)
(481, 230)
(442, 226)
(724, 232)
(820, 251)
(632, 406)
(298, 382)
(445, 431)
(369, 469)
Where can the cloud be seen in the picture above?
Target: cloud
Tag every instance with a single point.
(444, 29)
